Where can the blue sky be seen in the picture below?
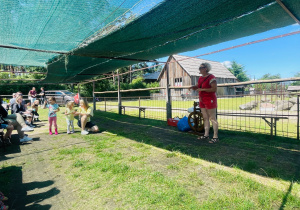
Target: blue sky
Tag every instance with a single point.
(278, 56)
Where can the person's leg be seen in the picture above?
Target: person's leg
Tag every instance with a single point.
(68, 125)
(50, 119)
(83, 122)
(16, 125)
(213, 119)
(9, 130)
(55, 125)
(72, 125)
(18, 118)
(206, 121)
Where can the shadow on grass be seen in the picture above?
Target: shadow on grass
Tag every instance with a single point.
(14, 147)
(11, 181)
(256, 153)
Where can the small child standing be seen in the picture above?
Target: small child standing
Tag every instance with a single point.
(53, 108)
(70, 116)
(35, 109)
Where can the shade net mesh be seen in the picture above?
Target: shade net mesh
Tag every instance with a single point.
(80, 39)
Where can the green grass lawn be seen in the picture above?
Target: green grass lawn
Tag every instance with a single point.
(144, 164)
(223, 103)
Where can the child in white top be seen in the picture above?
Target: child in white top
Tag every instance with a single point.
(70, 116)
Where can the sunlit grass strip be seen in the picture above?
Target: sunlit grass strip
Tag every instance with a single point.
(120, 174)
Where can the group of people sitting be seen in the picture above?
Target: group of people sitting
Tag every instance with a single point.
(19, 119)
(23, 114)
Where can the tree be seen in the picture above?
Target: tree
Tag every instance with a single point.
(269, 76)
(238, 71)
(269, 86)
(296, 83)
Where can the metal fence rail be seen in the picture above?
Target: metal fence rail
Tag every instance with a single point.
(263, 117)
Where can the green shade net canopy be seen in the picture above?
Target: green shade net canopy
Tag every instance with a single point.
(77, 40)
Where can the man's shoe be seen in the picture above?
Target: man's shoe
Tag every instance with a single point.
(27, 128)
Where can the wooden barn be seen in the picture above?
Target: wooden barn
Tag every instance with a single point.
(184, 71)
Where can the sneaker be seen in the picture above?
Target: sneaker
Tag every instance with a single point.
(72, 132)
(32, 126)
(25, 139)
(84, 132)
(27, 128)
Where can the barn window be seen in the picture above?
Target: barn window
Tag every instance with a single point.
(178, 81)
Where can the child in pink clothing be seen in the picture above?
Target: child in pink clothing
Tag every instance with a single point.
(53, 108)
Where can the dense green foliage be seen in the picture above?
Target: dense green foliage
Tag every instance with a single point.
(238, 71)
(270, 76)
(135, 82)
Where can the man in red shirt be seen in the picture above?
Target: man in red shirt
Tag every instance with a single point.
(207, 87)
(32, 95)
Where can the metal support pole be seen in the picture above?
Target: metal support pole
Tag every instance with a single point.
(119, 95)
(105, 104)
(298, 117)
(94, 98)
(130, 75)
(168, 94)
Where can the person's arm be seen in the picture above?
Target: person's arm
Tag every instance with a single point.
(44, 106)
(14, 108)
(193, 87)
(212, 89)
(57, 110)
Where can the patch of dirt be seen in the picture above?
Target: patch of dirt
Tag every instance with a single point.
(35, 182)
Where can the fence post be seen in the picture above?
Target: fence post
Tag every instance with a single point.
(94, 99)
(298, 117)
(119, 95)
(104, 104)
(168, 94)
(78, 86)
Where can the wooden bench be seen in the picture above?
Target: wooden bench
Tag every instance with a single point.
(141, 109)
(272, 123)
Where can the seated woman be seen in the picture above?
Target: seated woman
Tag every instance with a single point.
(18, 107)
(85, 113)
(17, 121)
(9, 129)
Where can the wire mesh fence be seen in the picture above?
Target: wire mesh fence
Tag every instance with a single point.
(262, 108)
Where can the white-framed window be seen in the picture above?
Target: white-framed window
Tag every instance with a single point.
(178, 81)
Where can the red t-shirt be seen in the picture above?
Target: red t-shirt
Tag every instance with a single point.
(204, 82)
(32, 93)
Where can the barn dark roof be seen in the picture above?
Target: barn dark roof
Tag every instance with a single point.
(152, 75)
